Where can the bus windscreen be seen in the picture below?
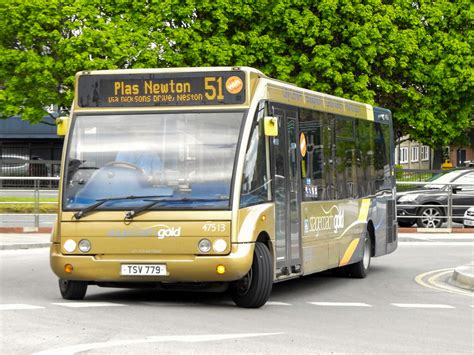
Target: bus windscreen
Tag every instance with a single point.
(184, 160)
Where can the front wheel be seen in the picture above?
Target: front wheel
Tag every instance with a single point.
(72, 290)
(253, 290)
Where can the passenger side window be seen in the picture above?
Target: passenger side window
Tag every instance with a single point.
(316, 163)
(255, 183)
(347, 158)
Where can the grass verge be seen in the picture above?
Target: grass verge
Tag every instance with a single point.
(27, 206)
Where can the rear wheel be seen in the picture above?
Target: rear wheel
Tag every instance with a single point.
(360, 269)
(430, 217)
(253, 290)
(72, 290)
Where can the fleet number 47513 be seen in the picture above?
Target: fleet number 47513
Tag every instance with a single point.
(213, 227)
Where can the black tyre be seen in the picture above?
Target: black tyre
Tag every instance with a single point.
(405, 224)
(430, 217)
(72, 290)
(360, 269)
(253, 290)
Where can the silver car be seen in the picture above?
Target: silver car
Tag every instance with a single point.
(14, 165)
(469, 217)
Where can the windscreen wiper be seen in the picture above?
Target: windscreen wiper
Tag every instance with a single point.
(81, 213)
(134, 213)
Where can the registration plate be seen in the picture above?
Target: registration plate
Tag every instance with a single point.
(143, 270)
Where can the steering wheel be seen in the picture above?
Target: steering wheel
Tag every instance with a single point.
(125, 164)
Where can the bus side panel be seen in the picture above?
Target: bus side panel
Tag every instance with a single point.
(329, 231)
(381, 214)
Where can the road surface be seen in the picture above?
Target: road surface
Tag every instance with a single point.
(400, 307)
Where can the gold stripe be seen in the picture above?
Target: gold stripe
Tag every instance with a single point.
(364, 210)
(349, 252)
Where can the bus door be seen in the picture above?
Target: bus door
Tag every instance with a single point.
(287, 186)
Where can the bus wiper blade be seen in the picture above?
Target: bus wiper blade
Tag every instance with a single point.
(139, 210)
(81, 213)
(133, 213)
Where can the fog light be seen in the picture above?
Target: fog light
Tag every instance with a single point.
(84, 245)
(68, 268)
(204, 245)
(69, 245)
(220, 269)
(220, 245)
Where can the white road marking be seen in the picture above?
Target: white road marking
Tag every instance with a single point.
(412, 244)
(340, 304)
(421, 305)
(73, 349)
(274, 303)
(457, 236)
(12, 307)
(88, 304)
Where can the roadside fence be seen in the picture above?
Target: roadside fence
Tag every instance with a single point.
(38, 183)
(14, 167)
(430, 205)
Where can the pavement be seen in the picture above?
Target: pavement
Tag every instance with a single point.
(463, 276)
(9, 241)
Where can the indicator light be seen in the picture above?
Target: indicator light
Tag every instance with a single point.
(68, 268)
(220, 269)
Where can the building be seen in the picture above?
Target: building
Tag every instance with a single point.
(464, 155)
(29, 149)
(413, 155)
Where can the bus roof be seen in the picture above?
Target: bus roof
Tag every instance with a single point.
(200, 87)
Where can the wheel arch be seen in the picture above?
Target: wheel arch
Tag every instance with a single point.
(264, 238)
(371, 230)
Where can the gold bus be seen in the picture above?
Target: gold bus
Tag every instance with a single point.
(218, 178)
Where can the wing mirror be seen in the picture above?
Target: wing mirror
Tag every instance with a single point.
(455, 189)
(271, 126)
(62, 124)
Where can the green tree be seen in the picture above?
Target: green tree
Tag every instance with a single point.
(413, 57)
(43, 43)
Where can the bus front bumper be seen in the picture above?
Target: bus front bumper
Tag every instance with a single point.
(179, 268)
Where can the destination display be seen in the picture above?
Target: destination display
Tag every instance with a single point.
(161, 89)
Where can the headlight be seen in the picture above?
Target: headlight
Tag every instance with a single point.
(407, 198)
(69, 245)
(220, 245)
(84, 245)
(204, 246)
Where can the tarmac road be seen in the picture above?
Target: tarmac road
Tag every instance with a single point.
(388, 312)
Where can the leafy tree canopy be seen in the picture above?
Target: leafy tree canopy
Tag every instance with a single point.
(413, 57)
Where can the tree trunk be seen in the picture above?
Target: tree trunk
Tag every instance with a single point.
(437, 158)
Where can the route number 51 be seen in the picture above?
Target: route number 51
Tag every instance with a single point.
(213, 87)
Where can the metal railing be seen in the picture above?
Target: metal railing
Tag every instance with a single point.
(13, 168)
(447, 193)
(36, 183)
(443, 202)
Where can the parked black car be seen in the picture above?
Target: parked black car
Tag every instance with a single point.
(427, 204)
